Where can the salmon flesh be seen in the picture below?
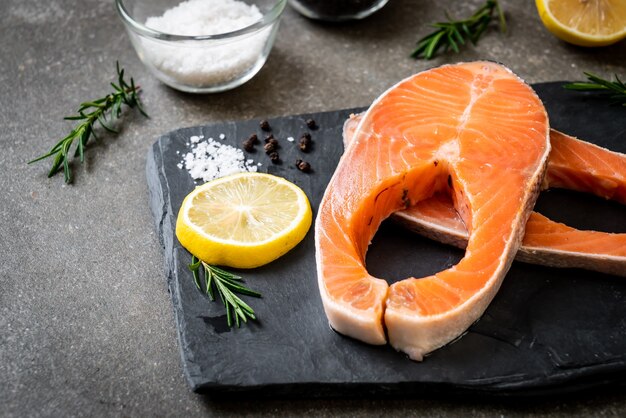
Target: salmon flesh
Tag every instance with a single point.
(573, 164)
(474, 128)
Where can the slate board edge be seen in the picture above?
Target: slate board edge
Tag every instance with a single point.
(563, 383)
(612, 380)
(160, 206)
(159, 202)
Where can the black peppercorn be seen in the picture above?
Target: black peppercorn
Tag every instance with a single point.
(311, 124)
(265, 125)
(303, 166)
(305, 142)
(274, 157)
(271, 140)
(269, 147)
(248, 145)
(254, 139)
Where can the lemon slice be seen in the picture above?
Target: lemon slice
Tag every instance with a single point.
(244, 220)
(585, 22)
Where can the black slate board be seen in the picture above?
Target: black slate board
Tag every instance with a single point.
(547, 331)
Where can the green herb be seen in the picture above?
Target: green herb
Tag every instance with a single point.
(616, 89)
(226, 284)
(90, 113)
(454, 33)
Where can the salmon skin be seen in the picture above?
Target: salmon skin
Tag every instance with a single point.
(573, 164)
(475, 128)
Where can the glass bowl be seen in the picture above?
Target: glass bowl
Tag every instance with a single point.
(201, 63)
(337, 10)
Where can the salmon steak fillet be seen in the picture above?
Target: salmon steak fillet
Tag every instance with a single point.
(475, 128)
(574, 165)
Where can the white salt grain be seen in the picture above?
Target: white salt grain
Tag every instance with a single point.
(207, 62)
(209, 160)
(290, 139)
(222, 136)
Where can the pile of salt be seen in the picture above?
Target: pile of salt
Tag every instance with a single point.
(210, 62)
(209, 160)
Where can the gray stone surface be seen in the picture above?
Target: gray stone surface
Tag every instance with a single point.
(86, 325)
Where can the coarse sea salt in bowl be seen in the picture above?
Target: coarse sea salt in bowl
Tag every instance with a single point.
(202, 46)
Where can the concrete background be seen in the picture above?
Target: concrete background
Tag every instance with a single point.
(86, 324)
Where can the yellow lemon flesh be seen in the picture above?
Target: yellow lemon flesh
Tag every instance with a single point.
(244, 220)
(585, 22)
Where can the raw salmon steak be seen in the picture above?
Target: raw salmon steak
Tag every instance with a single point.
(573, 164)
(474, 127)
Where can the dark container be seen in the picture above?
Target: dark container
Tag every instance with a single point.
(337, 10)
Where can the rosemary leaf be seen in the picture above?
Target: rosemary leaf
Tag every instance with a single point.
(194, 266)
(454, 33)
(209, 284)
(227, 285)
(58, 160)
(616, 90)
(90, 113)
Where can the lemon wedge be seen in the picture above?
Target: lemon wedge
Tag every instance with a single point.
(585, 22)
(244, 220)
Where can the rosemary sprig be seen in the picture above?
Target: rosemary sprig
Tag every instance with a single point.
(92, 113)
(454, 33)
(616, 89)
(226, 284)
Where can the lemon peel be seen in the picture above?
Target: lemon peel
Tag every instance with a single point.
(587, 23)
